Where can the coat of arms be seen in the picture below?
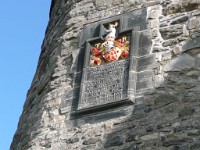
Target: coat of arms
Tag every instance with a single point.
(111, 49)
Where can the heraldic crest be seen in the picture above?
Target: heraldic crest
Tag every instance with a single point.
(111, 49)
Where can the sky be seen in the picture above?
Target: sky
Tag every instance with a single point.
(22, 29)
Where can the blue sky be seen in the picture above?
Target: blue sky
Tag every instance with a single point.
(22, 27)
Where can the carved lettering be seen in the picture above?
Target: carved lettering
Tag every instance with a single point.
(106, 83)
(124, 39)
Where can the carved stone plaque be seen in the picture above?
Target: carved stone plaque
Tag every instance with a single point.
(105, 84)
(108, 73)
(115, 67)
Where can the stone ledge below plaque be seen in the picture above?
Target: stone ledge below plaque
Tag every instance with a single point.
(102, 108)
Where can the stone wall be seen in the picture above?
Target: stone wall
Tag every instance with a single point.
(165, 117)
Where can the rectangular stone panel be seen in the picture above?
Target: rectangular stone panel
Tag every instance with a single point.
(104, 84)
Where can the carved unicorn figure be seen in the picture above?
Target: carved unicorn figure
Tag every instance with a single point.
(111, 31)
(110, 37)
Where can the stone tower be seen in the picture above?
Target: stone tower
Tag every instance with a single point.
(116, 75)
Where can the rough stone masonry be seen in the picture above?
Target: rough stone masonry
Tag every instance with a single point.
(165, 72)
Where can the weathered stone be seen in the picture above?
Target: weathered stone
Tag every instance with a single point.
(177, 129)
(150, 128)
(194, 52)
(131, 137)
(164, 100)
(181, 7)
(162, 84)
(163, 24)
(157, 49)
(153, 14)
(90, 147)
(183, 62)
(194, 43)
(80, 10)
(170, 42)
(159, 81)
(166, 3)
(177, 141)
(179, 20)
(195, 146)
(90, 141)
(176, 50)
(167, 56)
(194, 74)
(185, 147)
(144, 80)
(113, 141)
(195, 33)
(154, 24)
(103, 4)
(146, 63)
(73, 22)
(136, 21)
(186, 111)
(193, 24)
(150, 136)
(155, 33)
(116, 2)
(131, 147)
(128, 3)
(171, 31)
(194, 133)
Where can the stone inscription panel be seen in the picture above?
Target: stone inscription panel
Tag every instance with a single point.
(109, 48)
(105, 84)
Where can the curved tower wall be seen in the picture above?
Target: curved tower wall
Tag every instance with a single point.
(163, 85)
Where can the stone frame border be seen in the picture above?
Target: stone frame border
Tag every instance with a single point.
(142, 62)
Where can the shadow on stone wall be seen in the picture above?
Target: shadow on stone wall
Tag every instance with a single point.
(168, 118)
(165, 118)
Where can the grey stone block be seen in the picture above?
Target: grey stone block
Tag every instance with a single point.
(159, 81)
(114, 141)
(194, 43)
(145, 50)
(145, 44)
(183, 62)
(171, 31)
(132, 75)
(132, 85)
(135, 19)
(65, 106)
(146, 63)
(135, 43)
(193, 24)
(195, 34)
(180, 20)
(133, 63)
(144, 80)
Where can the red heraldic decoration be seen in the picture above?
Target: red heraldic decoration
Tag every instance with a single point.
(111, 49)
